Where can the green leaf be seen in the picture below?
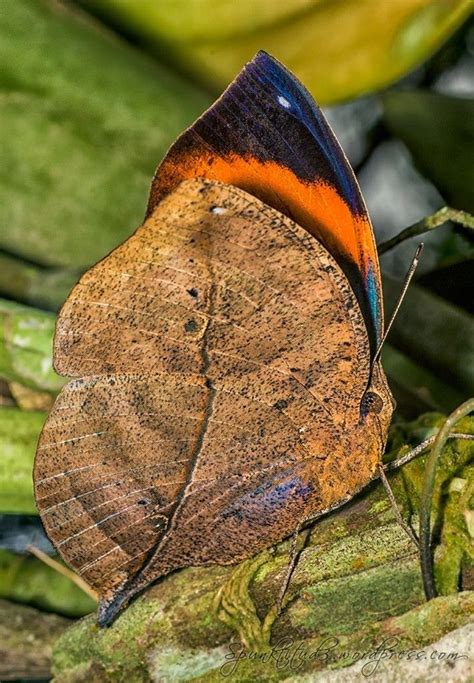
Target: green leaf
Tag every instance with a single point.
(34, 285)
(26, 342)
(85, 120)
(19, 432)
(25, 579)
(339, 49)
(439, 132)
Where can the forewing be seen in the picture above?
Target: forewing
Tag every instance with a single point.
(265, 134)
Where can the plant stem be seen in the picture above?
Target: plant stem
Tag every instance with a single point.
(426, 556)
(436, 220)
(418, 450)
(61, 569)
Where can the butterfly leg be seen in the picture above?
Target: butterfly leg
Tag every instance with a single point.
(396, 510)
(292, 562)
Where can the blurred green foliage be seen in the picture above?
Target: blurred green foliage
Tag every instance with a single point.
(25, 579)
(84, 121)
(338, 49)
(26, 347)
(441, 144)
(19, 432)
(30, 282)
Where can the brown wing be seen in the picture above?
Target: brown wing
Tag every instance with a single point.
(223, 357)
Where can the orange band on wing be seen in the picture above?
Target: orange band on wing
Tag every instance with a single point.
(315, 206)
(266, 135)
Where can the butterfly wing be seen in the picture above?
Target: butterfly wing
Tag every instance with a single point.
(222, 358)
(267, 136)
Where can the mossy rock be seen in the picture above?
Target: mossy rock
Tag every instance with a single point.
(357, 580)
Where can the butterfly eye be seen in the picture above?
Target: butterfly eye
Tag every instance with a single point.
(371, 403)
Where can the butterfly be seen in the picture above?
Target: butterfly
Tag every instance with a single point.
(227, 382)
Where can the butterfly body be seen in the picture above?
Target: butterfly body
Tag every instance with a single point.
(226, 390)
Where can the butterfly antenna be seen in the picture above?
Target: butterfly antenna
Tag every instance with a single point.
(406, 284)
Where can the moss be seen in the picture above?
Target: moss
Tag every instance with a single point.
(169, 663)
(234, 606)
(120, 650)
(432, 619)
(342, 605)
(415, 629)
(377, 546)
(378, 506)
(456, 550)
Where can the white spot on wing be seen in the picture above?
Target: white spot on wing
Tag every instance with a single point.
(284, 102)
(218, 209)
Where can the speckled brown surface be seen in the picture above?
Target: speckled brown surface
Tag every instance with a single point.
(222, 359)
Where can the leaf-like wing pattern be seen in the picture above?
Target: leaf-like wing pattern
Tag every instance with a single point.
(221, 357)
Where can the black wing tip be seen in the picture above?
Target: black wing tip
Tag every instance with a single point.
(265, 60)
(273, 68)
(263, 55)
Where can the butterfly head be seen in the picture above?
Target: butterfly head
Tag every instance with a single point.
(377, 403)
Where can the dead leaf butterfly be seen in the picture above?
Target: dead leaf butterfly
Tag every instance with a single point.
(228, 383)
